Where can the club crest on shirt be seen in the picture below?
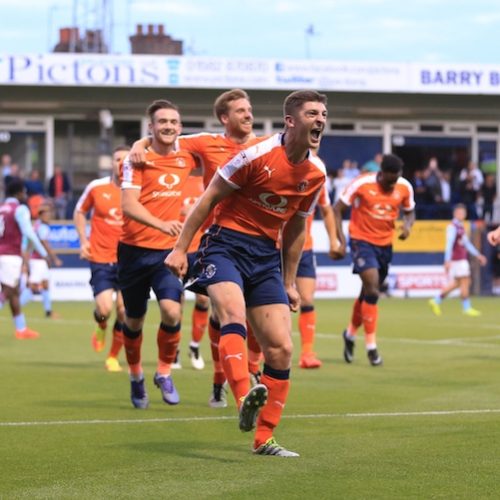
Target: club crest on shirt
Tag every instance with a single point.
(302, 186)
(210, 271)
(181, 162)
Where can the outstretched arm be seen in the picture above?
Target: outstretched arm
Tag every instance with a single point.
(408, 220)
(80, 221)
(338, 210)
(217, 190)
(23, 219)
(133, 208)
(331, 228)
(293, 238)
(137, 154)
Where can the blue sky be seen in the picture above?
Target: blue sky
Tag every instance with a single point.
(461, 31)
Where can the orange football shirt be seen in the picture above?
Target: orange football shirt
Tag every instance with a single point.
(269, 190)
(160, 193)
(103, 198)
(214, 150)
(375, 211)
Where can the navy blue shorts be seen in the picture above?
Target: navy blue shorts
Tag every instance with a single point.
(191, 257)
(368, 256)
(251, 262)
(307, 265)
(139, 271)
(103, 277)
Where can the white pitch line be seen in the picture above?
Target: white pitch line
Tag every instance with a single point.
(430, 413)
(459, 342)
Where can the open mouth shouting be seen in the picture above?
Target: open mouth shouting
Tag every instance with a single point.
(316, 135)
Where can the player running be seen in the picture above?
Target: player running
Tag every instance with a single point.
(456, 265)
(15, 223)
(151, 204)
(265, 190)
(38, 276)
(102, 198)
(375, 199)
(233, 109)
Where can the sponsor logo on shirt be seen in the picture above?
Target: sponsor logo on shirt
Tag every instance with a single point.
(115, 217)
(169, 181)
(271, 201)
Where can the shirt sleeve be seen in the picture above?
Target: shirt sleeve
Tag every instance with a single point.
(85, 202)
(236, 171)
(131, 177)
(451, 235)
(43, 232)
(469, 246)
(348, 194)
(22, 216)
(408, 203)
(308, 204)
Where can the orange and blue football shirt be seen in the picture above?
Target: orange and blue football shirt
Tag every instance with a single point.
(103, 198)
(269, 189)
(160, 189)
(323, 201)
(375, 211)
(193, 189)
(214, 150)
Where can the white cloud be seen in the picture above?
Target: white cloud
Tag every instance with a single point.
(285, 7)
(486, 18)
(395, 23)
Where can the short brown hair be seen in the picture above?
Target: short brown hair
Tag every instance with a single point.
(121, 147)
(221, 104)
(296, 100)
(159, 104)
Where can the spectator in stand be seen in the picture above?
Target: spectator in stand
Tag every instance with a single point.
(432, 177)
(351, 170)
(5, 165)
(373, 165)
(445, 211)
(14, 173)
(339, 184)
(422, 194)
(33, 184)
(59, 191)
(488, 194)
(471, 180)
(36, 193)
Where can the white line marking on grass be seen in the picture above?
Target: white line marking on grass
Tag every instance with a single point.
(460, 342)
(430, 413)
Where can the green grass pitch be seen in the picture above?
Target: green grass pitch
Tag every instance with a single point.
(425, 425)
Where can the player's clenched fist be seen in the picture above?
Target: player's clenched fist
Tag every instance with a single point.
(177, 262)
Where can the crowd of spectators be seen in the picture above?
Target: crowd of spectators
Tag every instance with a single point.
(57, 191)
(437, 190)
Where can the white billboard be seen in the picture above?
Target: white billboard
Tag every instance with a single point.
(107, 70)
